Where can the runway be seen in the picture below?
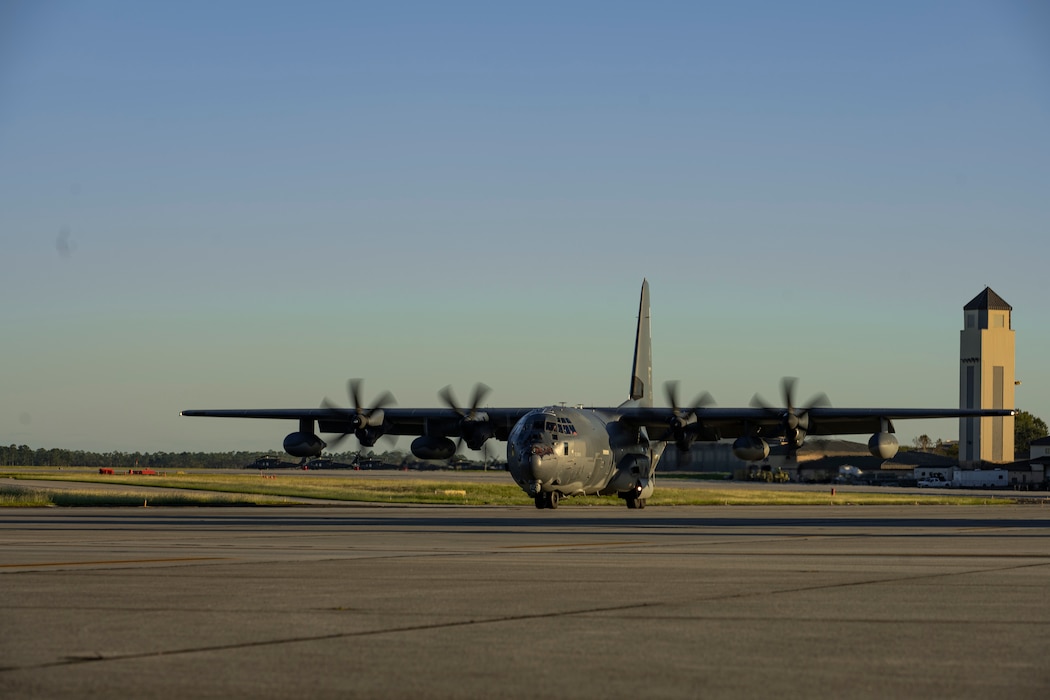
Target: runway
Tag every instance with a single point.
(449, 602)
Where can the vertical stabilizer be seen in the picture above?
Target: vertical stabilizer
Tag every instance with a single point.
(642, 372)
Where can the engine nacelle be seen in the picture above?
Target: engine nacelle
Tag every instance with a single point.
(632, 469)
(883, 445)
(476, 432)
(433, 447)
(304, 445)
(750, 448)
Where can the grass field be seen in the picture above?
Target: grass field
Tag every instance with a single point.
(189, 489)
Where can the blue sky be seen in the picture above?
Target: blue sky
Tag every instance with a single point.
(242, 204)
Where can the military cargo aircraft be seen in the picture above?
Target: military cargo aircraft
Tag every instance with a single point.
(558, 451)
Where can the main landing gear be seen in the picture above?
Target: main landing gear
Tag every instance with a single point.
(547, 499)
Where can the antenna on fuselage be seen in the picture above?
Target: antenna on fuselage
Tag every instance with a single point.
(642, 370)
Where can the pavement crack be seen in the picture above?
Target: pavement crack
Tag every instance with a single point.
(96, 657)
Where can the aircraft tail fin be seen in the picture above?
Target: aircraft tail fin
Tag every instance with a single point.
(642, 371)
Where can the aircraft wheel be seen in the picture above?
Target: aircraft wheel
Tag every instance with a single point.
(639, 503)
(540, 501)
(554, 497)
(632, 502)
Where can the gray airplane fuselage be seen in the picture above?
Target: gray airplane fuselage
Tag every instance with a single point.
(578, 451)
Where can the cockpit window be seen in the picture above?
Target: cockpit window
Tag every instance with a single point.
(565, 427)
(547, 423)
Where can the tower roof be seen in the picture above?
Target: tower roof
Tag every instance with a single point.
(988, 300)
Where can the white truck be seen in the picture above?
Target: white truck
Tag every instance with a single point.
(979, 479)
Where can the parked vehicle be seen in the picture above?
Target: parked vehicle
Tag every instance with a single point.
(980, 479)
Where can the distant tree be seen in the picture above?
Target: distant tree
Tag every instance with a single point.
(1027, 428)
(923, 442)
(948, 449)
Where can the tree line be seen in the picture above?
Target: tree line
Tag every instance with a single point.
(25, 456)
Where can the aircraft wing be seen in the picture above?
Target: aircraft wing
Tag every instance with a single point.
(847, 421)
(395, 421)
(717, 423)
(711, 422)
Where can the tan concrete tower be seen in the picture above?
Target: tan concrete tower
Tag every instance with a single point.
(986, 379)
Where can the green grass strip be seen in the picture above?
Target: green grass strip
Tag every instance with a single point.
(280, 489)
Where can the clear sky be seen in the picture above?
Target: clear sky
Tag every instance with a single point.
(242, 204)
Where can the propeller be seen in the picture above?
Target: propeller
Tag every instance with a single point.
(795, 421)
(474, 427)
(367, 423)
(682, 426)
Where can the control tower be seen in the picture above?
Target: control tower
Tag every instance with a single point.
(986, 379)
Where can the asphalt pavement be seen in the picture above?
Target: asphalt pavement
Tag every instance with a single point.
(450, 602)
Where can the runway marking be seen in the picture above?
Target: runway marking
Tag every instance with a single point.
(110, 561)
